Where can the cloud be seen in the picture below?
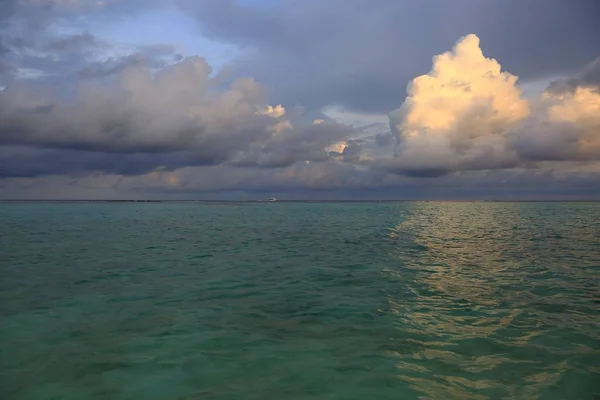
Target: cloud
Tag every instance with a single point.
(28, 162)
(77, 110)
(360, 54)
(310, 143)
(467, 114)
(565, 122)
(329, 180)
(175, 116)
(176, 109)
(589, 77)
(301, 176)
(75, 104)
(456, 117)
(565, 127)
(73, 5)
(245, 24)
(47, 40)
(154, 57)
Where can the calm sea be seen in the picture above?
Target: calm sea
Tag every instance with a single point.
(416, 300)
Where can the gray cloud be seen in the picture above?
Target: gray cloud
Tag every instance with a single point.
(69, 43)
(297, 145)
(30, 43)
(230, 21)
(329, 180)
(177, 117)
(79, 112)
(565, 123)
(28, 162)
(155, 57)
(361, 54)
(540, 140)
(588, 77)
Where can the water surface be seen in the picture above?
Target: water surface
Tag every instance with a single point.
(416, 300)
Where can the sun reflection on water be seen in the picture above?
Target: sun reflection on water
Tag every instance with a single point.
(483, 308)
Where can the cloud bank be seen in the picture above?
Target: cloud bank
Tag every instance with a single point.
(466, 114)
(302, 107)
(179, 116)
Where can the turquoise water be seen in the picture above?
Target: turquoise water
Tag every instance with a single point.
(417, 300)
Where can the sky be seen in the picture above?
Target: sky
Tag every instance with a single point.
(299, 99)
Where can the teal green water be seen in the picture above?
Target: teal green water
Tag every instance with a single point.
(418, 300)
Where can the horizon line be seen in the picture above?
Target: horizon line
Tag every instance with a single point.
(516, 200)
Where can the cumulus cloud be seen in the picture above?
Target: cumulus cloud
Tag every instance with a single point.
(564, 127)
(179, 114)
(275, 112)
(174, 109)
(565, 122)
(456, 116)
(468, 114)
(338, 147)
(72, 103)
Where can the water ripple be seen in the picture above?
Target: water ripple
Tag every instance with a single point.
(291, 301)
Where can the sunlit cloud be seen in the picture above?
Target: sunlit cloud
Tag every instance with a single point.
(468, 114)
(82, 96)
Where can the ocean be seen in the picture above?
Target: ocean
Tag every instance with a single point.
(405, 300)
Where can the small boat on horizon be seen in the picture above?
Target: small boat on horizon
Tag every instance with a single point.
(272, 199)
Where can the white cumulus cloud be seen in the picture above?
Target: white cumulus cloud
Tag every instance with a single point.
(469, 114)
(457, 115)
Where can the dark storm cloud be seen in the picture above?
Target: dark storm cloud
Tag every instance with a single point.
(361, 53)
